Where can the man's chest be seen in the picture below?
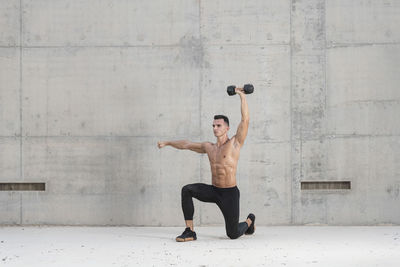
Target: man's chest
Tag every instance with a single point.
(222, 154)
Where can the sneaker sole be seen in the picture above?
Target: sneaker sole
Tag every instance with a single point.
(185, 239)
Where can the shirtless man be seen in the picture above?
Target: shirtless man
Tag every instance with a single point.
(223, 157)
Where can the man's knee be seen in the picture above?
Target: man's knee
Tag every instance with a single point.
(185, 190)
(233, 235)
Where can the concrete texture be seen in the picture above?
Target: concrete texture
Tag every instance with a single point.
(156, 246)
(88, 88)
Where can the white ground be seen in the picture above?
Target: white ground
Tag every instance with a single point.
(155, 246)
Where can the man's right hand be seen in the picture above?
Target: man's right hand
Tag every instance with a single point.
(161, 144)
(239, 91)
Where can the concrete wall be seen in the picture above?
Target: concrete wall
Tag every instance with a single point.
(87, 88)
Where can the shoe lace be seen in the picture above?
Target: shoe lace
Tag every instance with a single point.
(187, 230)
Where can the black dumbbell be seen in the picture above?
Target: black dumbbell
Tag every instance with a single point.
(248, 89)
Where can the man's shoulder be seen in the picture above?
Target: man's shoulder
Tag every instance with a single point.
(207, 144)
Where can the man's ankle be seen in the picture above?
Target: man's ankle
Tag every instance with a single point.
(249, 222)
(189, 223)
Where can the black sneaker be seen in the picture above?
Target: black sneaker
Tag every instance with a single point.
(187, 235)
(252, 226)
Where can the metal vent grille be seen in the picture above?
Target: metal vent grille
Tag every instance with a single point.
(22, 186)
(324, 185)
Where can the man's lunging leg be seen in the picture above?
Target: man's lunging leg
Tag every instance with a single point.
(201, 192)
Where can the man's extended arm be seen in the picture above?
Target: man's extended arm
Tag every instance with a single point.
(184, 144)
(244, 123)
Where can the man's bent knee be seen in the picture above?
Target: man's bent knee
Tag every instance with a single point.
(233, 235)
(185, 190)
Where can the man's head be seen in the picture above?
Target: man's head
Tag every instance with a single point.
(220, 125)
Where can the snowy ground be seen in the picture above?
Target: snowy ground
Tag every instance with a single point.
(155, 246)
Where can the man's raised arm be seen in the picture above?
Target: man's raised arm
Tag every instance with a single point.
(244, 123)
(184, 144)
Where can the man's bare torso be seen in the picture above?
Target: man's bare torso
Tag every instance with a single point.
(223, 161)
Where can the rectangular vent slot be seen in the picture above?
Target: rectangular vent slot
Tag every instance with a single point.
(22, 186)
(332, 185)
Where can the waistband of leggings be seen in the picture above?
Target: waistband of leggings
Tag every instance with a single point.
(225, 188)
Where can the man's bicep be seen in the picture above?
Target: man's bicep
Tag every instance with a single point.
(198, 147)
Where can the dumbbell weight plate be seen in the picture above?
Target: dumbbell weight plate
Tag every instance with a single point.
(248, 88)
(231, 90)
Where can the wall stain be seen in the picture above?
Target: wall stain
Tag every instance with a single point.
(143, 190)
(191, 51)
(393, 190)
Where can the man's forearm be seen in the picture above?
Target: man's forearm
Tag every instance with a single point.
(244, 108)
(181, 144)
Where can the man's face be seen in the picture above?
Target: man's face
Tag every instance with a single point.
(220, 127)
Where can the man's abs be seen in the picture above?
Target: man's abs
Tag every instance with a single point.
(223, 162)
(223, 176)
(225, 183)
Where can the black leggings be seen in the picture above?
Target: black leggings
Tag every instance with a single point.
(227, 200)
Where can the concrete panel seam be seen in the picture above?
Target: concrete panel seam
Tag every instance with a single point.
(109, 136)
(9, 46)
(325, 86)
(139, 136)
(339, 45)
(325, 56)
(20, 103)
(367, 101)
(100, 46)
(348, 136)
(244, 44)
(329, 46)
(200, 98)
(144, 46)
(345, 136)
(291, 113)
(138, 46)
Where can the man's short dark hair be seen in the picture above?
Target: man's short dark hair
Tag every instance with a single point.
(217, 117)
